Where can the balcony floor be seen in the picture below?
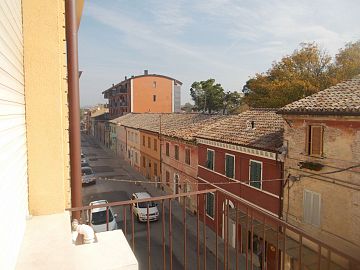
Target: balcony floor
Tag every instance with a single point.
(47, 244)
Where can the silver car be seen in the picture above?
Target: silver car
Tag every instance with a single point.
(88, 175)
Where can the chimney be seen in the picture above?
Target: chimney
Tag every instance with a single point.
(146, 72)
(125, 78)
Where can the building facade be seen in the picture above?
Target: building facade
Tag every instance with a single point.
(133, 155)
(323, 155)
(239, 155)
(150, 155)
(144, 93)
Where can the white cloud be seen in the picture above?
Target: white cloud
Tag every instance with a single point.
(142, 34)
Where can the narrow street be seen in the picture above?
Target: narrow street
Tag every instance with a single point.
(107, 165)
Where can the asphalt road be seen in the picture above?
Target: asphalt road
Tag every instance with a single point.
(105, 164)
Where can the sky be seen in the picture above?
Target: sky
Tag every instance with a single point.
(194, 40)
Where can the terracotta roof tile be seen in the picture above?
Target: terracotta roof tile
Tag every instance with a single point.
(267, 133)
(179, 125)
(342, 98)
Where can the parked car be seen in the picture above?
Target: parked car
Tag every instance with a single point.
(83, 158)
(88, 175)
(97, 217)
(140, 209)
(85, 163)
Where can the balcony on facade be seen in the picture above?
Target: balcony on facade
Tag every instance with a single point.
(244, 237)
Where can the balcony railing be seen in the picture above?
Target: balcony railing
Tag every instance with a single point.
(246, 238)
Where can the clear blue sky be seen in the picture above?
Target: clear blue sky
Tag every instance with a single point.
(193, 40)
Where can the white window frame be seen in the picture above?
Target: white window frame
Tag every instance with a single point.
(206, 212)
(208, 149)
(226, 154)
(261, 173)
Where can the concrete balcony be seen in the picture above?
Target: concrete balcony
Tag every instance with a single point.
(47, 244)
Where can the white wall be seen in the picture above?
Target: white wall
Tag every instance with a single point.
(13, 152)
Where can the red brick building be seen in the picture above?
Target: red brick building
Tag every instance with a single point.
(240, 155)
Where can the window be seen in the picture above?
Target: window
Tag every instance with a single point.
(154, 84)
(312, 202)
(176, 152)
(136, 158)
(210, 159)
(229, 166)
(149, 142)
(144, 162)
(210, 202)
(143, 140)
(154, 98)
(167, 149)
(187, 156)
(255, 173)
(314, 141)
(155, 169)
(155, 144)
(167, 178)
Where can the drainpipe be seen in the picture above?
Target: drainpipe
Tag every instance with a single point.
(74, 104)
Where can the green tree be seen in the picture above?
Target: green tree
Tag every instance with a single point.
(295, 76)
(347, 62)
(231, 103)
(187, 107)
(207, 95)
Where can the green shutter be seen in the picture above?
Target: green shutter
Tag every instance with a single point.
(229, 166)
(210, 204)
(255, 174)
(210, 160)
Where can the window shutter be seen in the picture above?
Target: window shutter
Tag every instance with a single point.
(229, 166)
(255, 174)
(316, 140)
(315, 213)
(307, 140)
(307, 206)
(210, 158)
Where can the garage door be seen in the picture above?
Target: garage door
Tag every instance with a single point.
(13, 154)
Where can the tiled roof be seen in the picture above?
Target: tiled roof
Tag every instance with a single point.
(180, 125)
(342, 98)
(267, 133)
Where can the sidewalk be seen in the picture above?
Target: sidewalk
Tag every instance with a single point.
(177, 213)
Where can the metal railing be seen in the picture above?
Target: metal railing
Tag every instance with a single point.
(238, 236)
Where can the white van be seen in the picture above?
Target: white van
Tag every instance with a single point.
(98, 217)
(140, 209)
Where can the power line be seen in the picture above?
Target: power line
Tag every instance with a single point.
(215, 183)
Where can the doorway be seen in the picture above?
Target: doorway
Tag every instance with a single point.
(230, 223)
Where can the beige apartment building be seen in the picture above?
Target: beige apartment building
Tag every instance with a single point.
(322, 192)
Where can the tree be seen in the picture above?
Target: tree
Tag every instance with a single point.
(231, 103)
(187, 107)
(207, 95)
(300, 74)
(347, 62)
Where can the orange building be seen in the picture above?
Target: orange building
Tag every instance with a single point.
(144, 93)
(150, 155)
